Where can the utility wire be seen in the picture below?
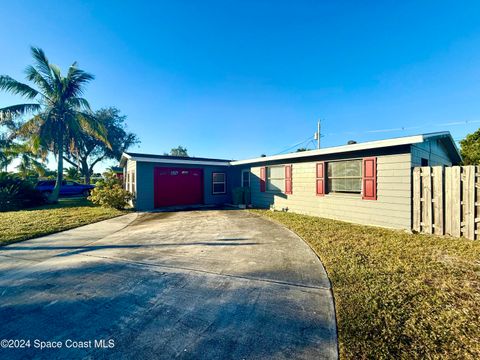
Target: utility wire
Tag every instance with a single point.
(293, 146)
(405, 128)
(310, 139)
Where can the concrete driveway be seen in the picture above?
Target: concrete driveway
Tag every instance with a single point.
(217, 284)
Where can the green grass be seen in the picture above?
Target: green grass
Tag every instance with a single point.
(397, 295)
(66, 214)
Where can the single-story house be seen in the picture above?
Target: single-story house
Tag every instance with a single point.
(366, 183)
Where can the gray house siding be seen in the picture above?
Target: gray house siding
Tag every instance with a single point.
(145, 185)
(393, 205)
(391, 209)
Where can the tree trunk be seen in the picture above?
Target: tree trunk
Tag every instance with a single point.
(86, 171)
(56, 190)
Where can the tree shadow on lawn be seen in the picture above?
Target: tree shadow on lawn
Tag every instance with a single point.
(152, 313)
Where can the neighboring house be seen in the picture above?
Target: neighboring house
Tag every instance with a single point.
(118, 171)
(366, 183)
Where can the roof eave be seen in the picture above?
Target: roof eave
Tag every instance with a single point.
(124, 159)
(186, 161)
(337, 149)
(452, 148)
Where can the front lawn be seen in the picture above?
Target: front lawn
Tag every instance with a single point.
(397, 295)
(66, 214)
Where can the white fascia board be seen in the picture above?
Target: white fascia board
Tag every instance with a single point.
(177, 161)
(408, 140)
(124, 158)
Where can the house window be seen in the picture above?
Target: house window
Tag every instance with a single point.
(127, 182)
(344, 176)
(246, 178)
(219, 183)
(276, 178)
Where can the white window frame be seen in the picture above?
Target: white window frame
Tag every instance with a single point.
(328, 178)
(268, 179)
(224, 182)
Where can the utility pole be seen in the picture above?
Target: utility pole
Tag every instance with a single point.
(316, 136)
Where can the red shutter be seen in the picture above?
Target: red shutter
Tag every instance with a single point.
(321, 178)
(263, 178)
(288, 179)
(369, 179)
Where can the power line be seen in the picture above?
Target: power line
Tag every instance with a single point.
(311, 139)
(405, 128)
(293, 146)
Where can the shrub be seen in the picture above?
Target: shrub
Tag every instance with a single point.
(110, 193)
(16, 194)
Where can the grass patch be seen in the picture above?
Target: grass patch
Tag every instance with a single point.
(66, 214)
(398, 295)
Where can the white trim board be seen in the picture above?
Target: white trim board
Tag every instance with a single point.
(177, 161)
(408, 140)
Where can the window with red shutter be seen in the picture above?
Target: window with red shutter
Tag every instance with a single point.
(288, 179)
(369, 178)
(263, 178)
(320, 172)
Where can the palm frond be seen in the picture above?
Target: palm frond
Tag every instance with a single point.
(17, 88)
(95, 128)
(57, 78)
(39, 167)
(79, 103)
(41, 81)
(9, 113)
(75, 81)
(29, 164)
(41, 63)
(8, 122)
(30, 127)
(49, 132)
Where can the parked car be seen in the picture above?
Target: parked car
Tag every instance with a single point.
(68, 188)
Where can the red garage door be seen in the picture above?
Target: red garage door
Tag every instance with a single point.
(177, 186)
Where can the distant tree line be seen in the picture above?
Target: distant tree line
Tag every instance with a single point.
(178, 151)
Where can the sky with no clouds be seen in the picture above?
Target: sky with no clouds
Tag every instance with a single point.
(236, 79)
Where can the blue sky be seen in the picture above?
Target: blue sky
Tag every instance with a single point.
(235, 79)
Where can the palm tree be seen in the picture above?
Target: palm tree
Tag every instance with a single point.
(57, 111)
(5, 157)
(72, 173)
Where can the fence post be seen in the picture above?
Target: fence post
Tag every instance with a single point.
(437, 173)
(469, 202)
(416, 199)
(476, 196)
(455, 201)
(427, 200)
(448, 200)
